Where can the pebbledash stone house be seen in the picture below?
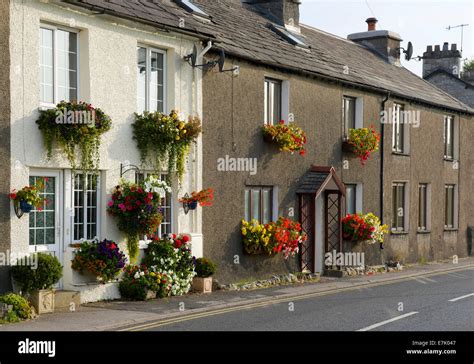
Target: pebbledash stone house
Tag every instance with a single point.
(115, 54)
(94, 51)
(419, 182)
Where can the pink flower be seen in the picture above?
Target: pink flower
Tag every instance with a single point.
(111, 203)
(122, 207)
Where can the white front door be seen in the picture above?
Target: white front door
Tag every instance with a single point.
(45, 225)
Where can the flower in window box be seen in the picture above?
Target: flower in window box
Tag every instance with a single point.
(288, 138)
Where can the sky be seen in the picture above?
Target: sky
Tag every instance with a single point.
(422, 22)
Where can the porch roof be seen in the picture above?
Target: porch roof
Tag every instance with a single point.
(316, 178)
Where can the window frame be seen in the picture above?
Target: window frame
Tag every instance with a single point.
(266, 118)
(55, 28)
(424, 193)
(345, 125)
(85, 205)
(164, 52)
(447, 225)
(248, 209)
(395, 227)
(398, 143)
(449, 155)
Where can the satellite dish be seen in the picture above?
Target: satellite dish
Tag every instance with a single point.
(409, 51)
(221, 60)
(192, 58)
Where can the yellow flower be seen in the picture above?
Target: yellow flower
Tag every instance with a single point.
(180, 125)
(244, 231)
(177, 137)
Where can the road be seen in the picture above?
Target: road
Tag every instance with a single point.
(442, 302)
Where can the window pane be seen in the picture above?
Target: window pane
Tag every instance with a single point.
(349, 114)
(42, 224)
(46, 66)
(394, 207)
(256, 204)
(267, 206)
(247, 205)
(351, 199)
(422, 207)
(66, 49)
(156, 82)
(276, 102)
(141, 80)
(401, 207)
(272, 101)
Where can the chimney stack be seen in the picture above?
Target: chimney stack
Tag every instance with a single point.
(384, 43)
(282, 12)
(445, 59)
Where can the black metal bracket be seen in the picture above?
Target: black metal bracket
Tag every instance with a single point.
(127, 168)
(18, 211)
(186, 204)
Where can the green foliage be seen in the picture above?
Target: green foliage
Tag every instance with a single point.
(469, 65)
(71, 125)
(21, 307)
(205, 267)
(45, 276)
(162, 138)
(138, 281)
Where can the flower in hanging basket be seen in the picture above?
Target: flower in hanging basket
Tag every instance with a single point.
(138, 210)
(204, 198)
(75, 124)
(165, 138)
(288, 138)
(29, 196)
(363, 142)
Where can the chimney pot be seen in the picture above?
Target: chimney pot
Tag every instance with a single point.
(437, 48)
(454, 47)
(372, 22)
(429, 49)
(445, 46)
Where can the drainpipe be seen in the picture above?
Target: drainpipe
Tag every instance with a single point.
(382, 138)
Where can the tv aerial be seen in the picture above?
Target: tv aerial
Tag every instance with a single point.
(408, 51)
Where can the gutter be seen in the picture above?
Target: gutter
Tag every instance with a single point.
(382, 157)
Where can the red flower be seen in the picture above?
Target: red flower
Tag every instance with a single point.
(282, 122)
(13, 196)
(302, 152)
(185, 238)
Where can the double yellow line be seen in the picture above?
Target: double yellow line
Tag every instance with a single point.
(194, 316)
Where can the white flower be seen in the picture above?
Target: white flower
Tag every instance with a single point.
(137, 275)
(142, 273)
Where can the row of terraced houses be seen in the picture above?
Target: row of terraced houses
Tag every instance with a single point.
(133, 56)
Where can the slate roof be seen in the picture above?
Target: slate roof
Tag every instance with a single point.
(450, 75)
(159, 12)
(244, 33)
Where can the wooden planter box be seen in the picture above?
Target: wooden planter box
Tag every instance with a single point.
(202, 285)
(43, 301)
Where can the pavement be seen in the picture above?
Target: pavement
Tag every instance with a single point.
(420, 293)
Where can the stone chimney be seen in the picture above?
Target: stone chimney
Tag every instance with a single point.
(384, 43)
(282, 12)
(445, 59)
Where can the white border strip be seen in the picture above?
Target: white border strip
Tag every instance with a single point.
(388, 321)
(460, 298)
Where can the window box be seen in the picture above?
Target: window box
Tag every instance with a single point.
(347, 147)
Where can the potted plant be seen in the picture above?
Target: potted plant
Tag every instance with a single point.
(136, 284)
(102, 259)
(38, 282)
(362, 142)
(164, 139)
(138, 209)
(204, 268)
(288, 138)
(359, 227)
(203, 198)
(29, 197)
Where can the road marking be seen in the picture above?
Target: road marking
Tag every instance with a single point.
(460, 298)
(430, 280)
(388, 321)
(419, 280)
(188, 317)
